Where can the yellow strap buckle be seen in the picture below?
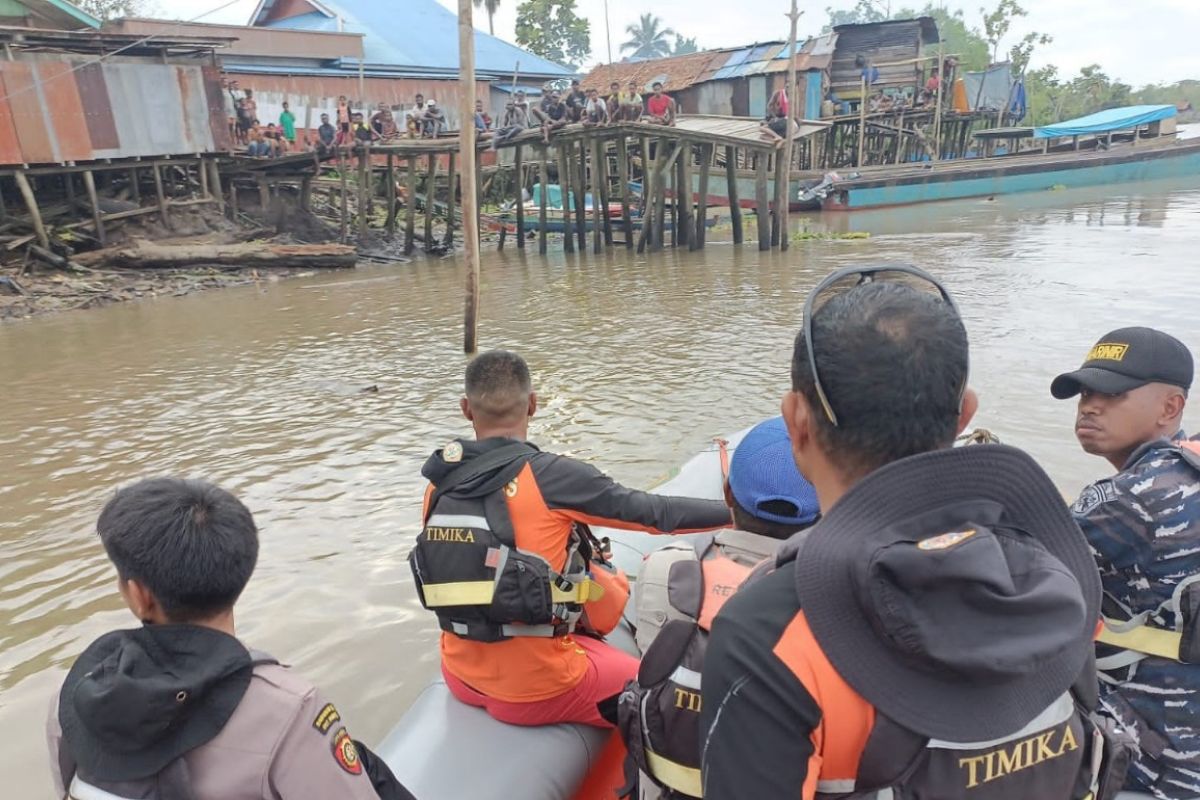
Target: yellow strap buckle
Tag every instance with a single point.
(586, 591)
(673, 774)
(459, 593)
(1142, 639)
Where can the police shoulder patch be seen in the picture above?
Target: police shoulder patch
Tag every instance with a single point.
(345, 753)
(325, 718)
(453, 452)
(1093, 496)
(945, 541)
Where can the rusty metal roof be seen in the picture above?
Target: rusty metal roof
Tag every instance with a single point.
(91, 41)
(675, 72)
(252, 41)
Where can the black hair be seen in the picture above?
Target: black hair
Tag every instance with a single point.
(744, 520)
(893, 363)
(192, 544)
(497, 382)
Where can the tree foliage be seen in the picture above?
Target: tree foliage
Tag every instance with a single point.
(491, 7)
(104, 10)
(683, 46)
(864, 11)
(648, 38)
(552, 29)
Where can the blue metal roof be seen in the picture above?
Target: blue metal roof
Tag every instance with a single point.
(415, 34)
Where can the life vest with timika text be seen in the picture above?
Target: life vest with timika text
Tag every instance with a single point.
(682, 587)
(469, 571)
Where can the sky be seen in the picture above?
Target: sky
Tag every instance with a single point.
(1147, 41)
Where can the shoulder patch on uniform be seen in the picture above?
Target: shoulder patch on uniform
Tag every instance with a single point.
(945, 541)
(1093, 496)
(453, 452)
(326, 717)
(345, 753)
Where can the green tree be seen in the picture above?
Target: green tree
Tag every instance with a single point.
(104, 10)
(552, 29)
(957, 38)
(1022, 51)
(491, 6)
(864, 11)
(647, 38)
(684, 46)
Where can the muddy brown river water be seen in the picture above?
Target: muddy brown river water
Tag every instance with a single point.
(639, 362)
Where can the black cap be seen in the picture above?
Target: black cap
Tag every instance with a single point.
(1126, 359)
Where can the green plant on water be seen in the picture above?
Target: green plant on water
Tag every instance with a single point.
(807, 236)
(1058, 187)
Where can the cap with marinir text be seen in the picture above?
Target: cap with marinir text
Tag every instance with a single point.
(1126, 359)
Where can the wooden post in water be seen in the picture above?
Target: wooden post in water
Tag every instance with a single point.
(467, 154)
(862, 115)
(735, 203)
(89, 183)
(448, 238)
(214, 182)
(410, 204)
(623, 176)
(543, 182)
(430, 196)
(760, 201)
(706, 156)
(647, 198)
(937, 102)
(519, 186)
(135, 191)
(162, 197)
(364, 187)
(580, 181)
(344, 216)
(598, 208)
(683, 198)
(391, 196)
(601, 173)
(31, 204)
(564, 188)
(781, 188)
(781, 177)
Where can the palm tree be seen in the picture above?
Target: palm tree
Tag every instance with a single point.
(490, 6)
(647, 39)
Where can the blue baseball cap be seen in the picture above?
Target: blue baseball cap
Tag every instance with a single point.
(762, 469)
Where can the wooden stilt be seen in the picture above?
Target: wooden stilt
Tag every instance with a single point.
(660, 183)
(390, 225)
(599, 210)
(89, 183)
(202, 173)
(601, 172)
(135, 191)
(306, 193)
(706, 156)
(451, 175)
(430, 197)
(264, 194)
(214, 182)
(161, 195)
(364, 189)
(35, 214)
(676, 173)
(344, 202)
(623, 176)
(777, 217)
(543, 184)
(410, 204)
(469, 156)
(580, 181)
(233, 198)
(647, 198)
(760, 201)
(683, 194)
(68, 180)
(564, 189)
(785, 154)
(735, 206)
(518, 188)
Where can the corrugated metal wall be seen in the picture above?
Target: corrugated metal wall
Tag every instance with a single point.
(60, 107)
(884, 43)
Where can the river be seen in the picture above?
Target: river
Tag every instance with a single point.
(638, 361)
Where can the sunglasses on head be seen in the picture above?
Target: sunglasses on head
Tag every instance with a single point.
(848, 278)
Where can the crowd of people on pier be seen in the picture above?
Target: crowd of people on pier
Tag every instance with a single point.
(871, 610)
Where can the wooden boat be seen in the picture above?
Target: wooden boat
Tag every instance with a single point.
(1105, 157)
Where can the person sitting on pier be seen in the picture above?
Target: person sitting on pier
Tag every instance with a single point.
(614, 101)
(575, 100)
(631, 103)
(496, 493)
(179, 706)
(325, 135)
(514, 122)
(256, 145)
(274, 139)
(483, 120)
(384, 124)
(552, 115)
(435, 121)
(595, 110)
(415, 117)
(776, 121)
(933, 84)
(363, 133)
(660, 107)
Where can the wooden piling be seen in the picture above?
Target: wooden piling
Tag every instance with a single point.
(781, 189)
(89, 183)
(135, 191)
(430, 196)
(735, 207)
(760, 201)
(364, 186)
(202, 174)
(518, 188)
(344, 202)
(602, 179)
(706, 156)
(623, 176)
(214, 183)
(451, 173)
(410, 204)
(599, 210)
(647, 198)
(580, 181)
(683, 199)
(564, 189)
(543, 182)
(468, 153)
(161, 195)
(778, 215)
(31, 205)
(674, 206)
(391, 197)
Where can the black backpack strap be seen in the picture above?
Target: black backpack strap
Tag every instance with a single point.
(492, 462)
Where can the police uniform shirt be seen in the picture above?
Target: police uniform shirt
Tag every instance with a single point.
(284, 741)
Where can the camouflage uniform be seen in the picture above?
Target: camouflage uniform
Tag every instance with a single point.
(1143, 525)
